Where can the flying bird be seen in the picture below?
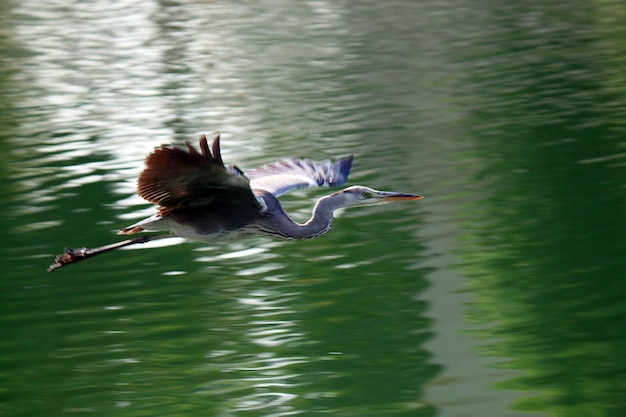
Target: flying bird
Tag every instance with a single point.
(200, 198)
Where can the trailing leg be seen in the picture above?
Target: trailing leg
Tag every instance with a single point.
(71, 256)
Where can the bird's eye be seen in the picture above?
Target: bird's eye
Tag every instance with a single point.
(366, 194)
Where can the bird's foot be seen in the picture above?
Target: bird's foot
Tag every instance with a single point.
(70, 256)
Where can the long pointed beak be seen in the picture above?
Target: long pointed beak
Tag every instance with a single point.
(388, 196)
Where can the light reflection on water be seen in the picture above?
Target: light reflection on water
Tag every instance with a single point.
(262, 380)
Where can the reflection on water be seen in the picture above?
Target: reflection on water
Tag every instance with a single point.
(507, 117)
(542, 256)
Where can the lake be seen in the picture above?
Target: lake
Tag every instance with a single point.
(500, 294)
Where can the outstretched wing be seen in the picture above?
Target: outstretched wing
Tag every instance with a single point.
(291, 174)
(175, 178)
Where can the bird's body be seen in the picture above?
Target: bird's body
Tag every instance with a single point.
(209, 223)
(200, 198)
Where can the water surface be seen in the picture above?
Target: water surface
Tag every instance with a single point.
(500, 294)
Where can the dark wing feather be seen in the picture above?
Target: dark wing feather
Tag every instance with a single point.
(175, 178)
(291, 174)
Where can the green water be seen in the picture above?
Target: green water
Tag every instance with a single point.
(499, 294)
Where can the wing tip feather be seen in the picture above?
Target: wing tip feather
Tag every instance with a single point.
(341, 170)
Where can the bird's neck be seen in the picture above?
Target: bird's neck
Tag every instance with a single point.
(320, 222)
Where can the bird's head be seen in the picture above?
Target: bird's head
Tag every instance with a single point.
(358, 195)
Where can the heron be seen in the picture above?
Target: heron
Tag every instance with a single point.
(198, 197)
